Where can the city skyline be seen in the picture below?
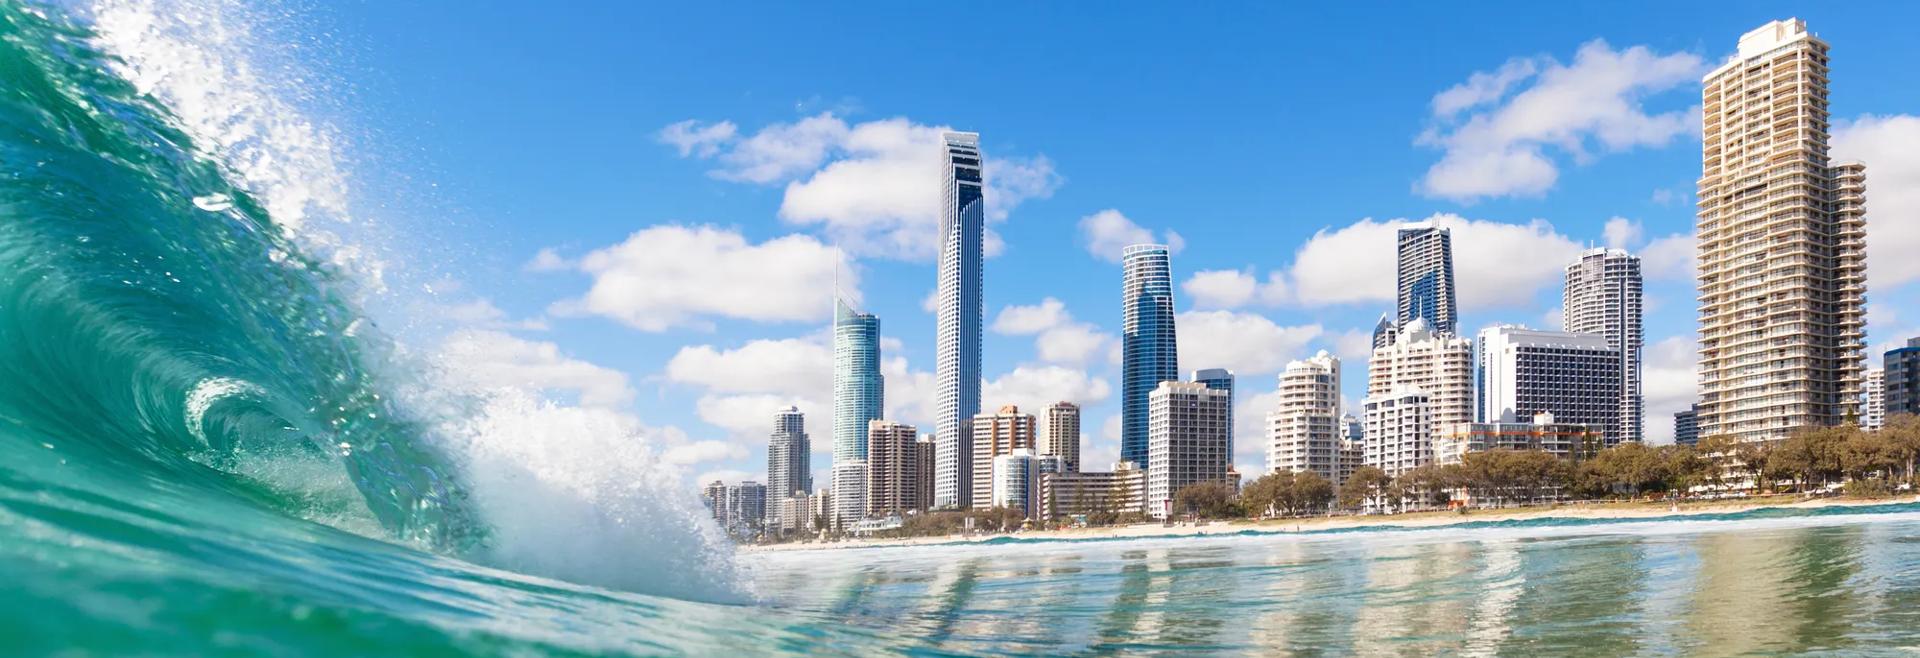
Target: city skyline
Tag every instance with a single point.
(1048, 333)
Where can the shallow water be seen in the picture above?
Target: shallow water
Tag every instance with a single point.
(1824, 582)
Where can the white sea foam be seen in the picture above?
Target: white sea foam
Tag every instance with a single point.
(566, 492)
(577, 494)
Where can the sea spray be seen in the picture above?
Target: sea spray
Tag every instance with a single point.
(181, 295)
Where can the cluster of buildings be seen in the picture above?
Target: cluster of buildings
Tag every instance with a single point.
(1781, 304)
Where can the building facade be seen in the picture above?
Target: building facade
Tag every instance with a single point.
(1426, 290)
(1304, 430)
(1873, 400)
(859, 391)
(1070, 495)
(789, 462)
(893, 469)
(1149, 350)
(746, 508)
(1400, 430)
(1187, 441)
(849, 491)
(1901, 379)
(1603, 296)
(1781, 245)
(925, 448)
(956, 375)
(1219, 379)
(1439, 365)
(1543, 433)
(997, 434)
(1686, 426)
(1018, 477)
(1060, 434)
(1575, 377)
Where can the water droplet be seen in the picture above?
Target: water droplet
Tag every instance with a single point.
(213, 202)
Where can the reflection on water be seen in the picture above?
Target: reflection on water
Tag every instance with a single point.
(1823, 584)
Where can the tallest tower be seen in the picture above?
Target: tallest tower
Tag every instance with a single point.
(1426, 278)
(1782, 249)
(957, 339)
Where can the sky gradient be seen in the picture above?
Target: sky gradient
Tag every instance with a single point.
(646, 211)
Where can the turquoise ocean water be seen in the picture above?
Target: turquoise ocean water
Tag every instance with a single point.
(208, 447)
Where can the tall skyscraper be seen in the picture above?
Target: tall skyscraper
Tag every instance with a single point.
(1873, 400)
(1782, 249)
(1524, 372)
(1187, 441)
(1219, 379)
(956, 375)
(1902, 378)
(1303, 431)
(858, 399)
(1147, 336)
(789, 462)
(994, 435)
(1060, 435)
(1426, 278)
(859, 391)
(1603, 297)
(893, 469)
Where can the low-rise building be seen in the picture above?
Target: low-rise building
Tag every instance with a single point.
(1563, 440)
(1071, 496)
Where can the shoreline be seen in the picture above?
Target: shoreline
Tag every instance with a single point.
(1411, 520)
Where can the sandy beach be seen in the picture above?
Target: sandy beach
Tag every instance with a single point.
(1569, 511)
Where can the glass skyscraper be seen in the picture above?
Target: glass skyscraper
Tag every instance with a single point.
(956, 375)
(1150, 353)
(1426, 278)
(858, 389)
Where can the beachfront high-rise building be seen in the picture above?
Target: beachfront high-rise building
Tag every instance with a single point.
(1400, 430)
(893, 469)
(849, 491)
(1543, 433)
(1902, 378)
(858, 398)
(1384, 331)
(1149, 351)
(1426, 289)
(956, 373)
(1187, 441)
(1439, 365)
(746, 508)
(1524, 372)
(789, 462)
(1219, 379)
(997, 434)
(1060, 434)
(1017, 478)
(1304, 431)
(1686, 426)
(1873, 400)
(923, 473)
(1781, 245)
(715, 496)
(1603, 296)
(858, 388)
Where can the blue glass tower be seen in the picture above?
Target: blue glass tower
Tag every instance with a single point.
(1149, 351)
(1426, 278)
(858, 389)
(956, 373)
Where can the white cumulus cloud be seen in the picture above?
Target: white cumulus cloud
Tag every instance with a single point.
(1890, 146)
(1496, 263)
(1108, 232)
(1058, 338)
(1249, 344)
(873, 186)
(1499, 130)
(1671, 383)
(491, 359)
(682, 276)
(1034, 387)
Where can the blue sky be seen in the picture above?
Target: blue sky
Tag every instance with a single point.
(638, 208)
